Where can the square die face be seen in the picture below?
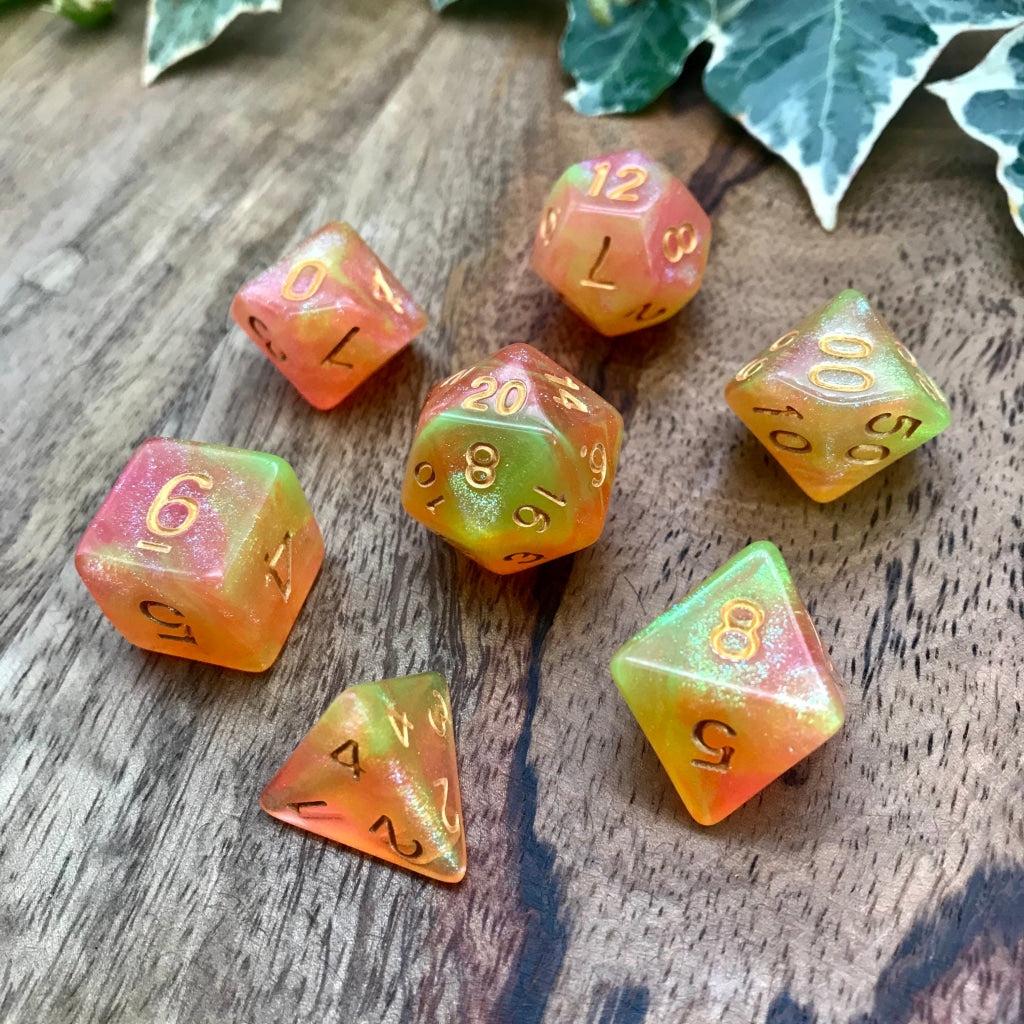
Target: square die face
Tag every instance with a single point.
(173, 555)
(328, 315)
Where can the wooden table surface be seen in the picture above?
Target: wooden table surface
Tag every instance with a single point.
(880, 882)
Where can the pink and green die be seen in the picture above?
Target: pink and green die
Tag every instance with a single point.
(622, 241)
(328, 315)
(203, 551)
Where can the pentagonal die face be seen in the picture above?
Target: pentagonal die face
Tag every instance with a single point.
(513, 461)
(203, 551)
(838, 398)
(622, 241)
(328, 315)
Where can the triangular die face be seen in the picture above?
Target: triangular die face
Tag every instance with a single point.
(378, 773)
(732, 686)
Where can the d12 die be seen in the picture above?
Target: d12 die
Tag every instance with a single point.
(513, 461)
(732, 686)
(378, 773)
(203, 551)
(838, 398)
(328, 315)
(622, 241)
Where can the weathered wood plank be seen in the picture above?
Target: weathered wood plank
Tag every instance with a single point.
(882, 881)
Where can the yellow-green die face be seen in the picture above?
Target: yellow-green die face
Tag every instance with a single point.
(622, 241)
(838, 398)
(513, 461)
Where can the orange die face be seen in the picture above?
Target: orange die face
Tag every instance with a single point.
(203, 551)
(328, 315)
(378, 773)
(838, 398)
(513, 461)
(732, 686)
(622, 241)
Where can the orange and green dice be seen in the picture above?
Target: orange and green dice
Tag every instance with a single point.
(378, 773)
(203, 551)
(622, 241)
(513, 461)
(328, 314)
(838, 398)
(732, 686)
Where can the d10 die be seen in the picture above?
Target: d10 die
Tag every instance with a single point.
(203, 551)
(732, 686)
(513, 461)
(378, 773)
(328, 315)
(622, 241)
(838, 398)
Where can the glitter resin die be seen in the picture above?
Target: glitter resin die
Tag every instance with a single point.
(732, 685)
(203, 551)
(622, 241)
(838, 398)
(328, 315)
(378, 773)
(513, 461)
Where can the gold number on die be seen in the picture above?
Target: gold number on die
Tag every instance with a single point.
(631, 176)
(679, 242)
(738, 617)
(319, 269)
(163, 500)
(724, 753)
(839, 346)
(481, 461)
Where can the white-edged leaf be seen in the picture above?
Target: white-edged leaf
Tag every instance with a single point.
(988, 103)
(176, 28)
(625, 54)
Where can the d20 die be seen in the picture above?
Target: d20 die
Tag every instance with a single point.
(378, 773)
(838, 398)
(203, 551)
(513, 461)
(328, 314)
(732, 685)
(622, 241)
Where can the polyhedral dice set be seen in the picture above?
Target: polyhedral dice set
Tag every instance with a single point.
(209, 552)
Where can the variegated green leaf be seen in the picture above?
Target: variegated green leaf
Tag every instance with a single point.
(988, 103)
(815, 80)
(176, 28)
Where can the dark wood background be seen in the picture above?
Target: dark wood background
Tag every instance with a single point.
(880, 882)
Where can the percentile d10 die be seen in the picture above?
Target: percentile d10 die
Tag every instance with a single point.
(203, 551)
(838, 398)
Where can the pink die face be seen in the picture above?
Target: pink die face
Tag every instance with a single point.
(328, 315)
(203, 551)
(622, 241)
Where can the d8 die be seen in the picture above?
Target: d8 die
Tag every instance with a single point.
(732, 686)
(622, 241)
(513, 461)
(203, 551)
(328, 315)
(838, 398)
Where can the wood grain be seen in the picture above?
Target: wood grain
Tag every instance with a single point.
(880, 882)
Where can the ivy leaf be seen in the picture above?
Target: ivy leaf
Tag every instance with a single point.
(988, 103)
(176, 28)
(622, 59)
(815, 80)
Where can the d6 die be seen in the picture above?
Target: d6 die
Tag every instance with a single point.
(203, 551)
(622, 241)
(838, 398)
(328, 315)
(513, 461)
